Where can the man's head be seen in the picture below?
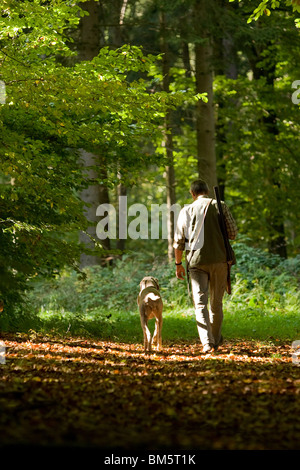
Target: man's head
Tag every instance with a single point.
(198, 187)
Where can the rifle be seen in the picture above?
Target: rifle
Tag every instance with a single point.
(229, 251)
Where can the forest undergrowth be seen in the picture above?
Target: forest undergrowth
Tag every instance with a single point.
(76, 376)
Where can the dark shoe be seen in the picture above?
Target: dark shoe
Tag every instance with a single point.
(219, 343)
(208, 348)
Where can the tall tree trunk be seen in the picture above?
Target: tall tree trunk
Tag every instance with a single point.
(95, 194)
(225, 58)
(89, 39)
(186, 59)
(171, 199)
(205, 119)
(168, 142)
(117, 13)
(122, 216)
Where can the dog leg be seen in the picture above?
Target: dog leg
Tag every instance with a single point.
(159, 339)
(154, 339)
(147, 334)
(148, 342)
(157, 333)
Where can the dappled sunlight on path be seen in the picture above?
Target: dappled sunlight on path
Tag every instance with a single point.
(77, 391)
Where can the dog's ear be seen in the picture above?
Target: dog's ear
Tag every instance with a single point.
(143, 282)
(156, 282)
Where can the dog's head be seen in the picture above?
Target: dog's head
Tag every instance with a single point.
(149, 281)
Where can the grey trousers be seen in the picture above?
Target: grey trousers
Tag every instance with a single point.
(209, 281)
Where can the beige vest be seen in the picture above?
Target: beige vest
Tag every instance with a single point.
(209, 248)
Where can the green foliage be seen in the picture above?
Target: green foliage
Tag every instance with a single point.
(51, 111)
(265, 7)
(113, 106)
(110, 288)
(265, 299)
(261, 161)
(264, 303)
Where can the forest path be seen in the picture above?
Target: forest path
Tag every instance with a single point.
(87, 392)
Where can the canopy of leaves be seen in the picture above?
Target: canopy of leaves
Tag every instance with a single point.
(51, 111)
(266, 6)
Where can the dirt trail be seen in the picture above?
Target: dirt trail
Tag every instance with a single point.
(83, 392)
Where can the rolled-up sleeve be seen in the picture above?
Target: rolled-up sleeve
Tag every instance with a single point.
(231, 226)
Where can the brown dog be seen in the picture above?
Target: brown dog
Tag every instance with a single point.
(150, 306)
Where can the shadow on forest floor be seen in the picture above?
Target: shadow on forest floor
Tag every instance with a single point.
(85, 392)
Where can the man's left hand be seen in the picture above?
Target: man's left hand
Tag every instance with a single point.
(180, 272)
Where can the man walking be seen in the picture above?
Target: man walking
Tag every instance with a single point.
(198, 233)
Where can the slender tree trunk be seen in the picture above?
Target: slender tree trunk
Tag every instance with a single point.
(225, 56)
(168, 142)
(89, 41)
(117, 13)
(205, 119)
(186, 59)
(171, 199)
(95, 194)
(122, 217)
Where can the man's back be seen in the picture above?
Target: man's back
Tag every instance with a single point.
(204, 244)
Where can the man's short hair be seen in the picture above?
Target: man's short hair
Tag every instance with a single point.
(199, 187)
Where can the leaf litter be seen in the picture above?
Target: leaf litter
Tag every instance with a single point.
(87, 392)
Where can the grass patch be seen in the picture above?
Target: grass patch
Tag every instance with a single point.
(122, 326)
(264, 303)
(277, 327)
(178, 326)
